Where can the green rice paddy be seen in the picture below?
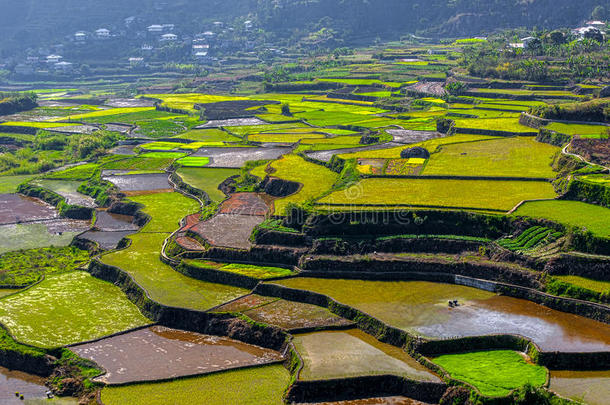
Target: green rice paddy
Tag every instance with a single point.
(574, 213)
(493, 373)
(163, 283)
(207, 180)
(250, 386)
(166, 210)
(68, 308)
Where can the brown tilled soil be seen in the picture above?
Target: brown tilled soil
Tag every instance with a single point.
(594, 150)
(244, 204)
(374, 401)
(433, 88)
(140, 182)
(15, 208)
(228, 230)
(160, 353)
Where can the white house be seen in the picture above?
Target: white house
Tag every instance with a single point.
(600, 25)
(155, 29)
(102, 33)
(147, 48)
(168, 38)
(80, 36)
(201, 48)
(168, 27)
(52, 59)
(248, 24)
(133, 62)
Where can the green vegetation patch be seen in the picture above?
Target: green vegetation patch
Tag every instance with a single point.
(506, 157)
(494, 373)
(573, 213)
(530, 239)
(166, 210)
(259, 272)
(194, 161)
(207, 180)
(80, 172)
(579, 129)
(474, 194)
(493, 124)
(8, 184)
(25, 267)
(32, 236)
(315, 179)
(162, 282)
(209, 135)
(588, 283)
(163, 155)
(250, 386)
(68, 308)
(140, 163)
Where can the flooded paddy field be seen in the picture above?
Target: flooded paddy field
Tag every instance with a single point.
(352, 353)
(106, 240)
(140, 182)
(68, 190)
(68, 308)
(161, 353)
(109, 222)
(590, 387)
(232, 122)
(421, 308)
(237, 157)
(286, 315)
(30, 386)
(228, 230)
(56, 232)
(16, 208)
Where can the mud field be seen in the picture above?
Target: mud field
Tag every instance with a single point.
(286, 315)
(233, 122)
(123, 150)
(129, 102)
(244, 204)
(161, 353)
(30, 386)
(15, 208)
(56, 232)
(408, 136)
(353, 353)
(106, 240)
(237, 157)
(228, 230)
(140, 182)
(591, 387)
(110, 222)
(327, 155)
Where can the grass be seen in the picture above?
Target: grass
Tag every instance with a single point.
(8, 184)
(259, 272)
(505, 157)
(494, 373)
(68, 308)
(573, 213)
(36, 124)
(315, 179)
(250, 386)
(353, 353)
(166, 210)
(187, 101)
(493, 124)
(104, 113)
(472, 194)
(589, 284)
(163, 283)
(578, 129)
(162, 155)
(80, 172)
(283, 138)
(600, 179)
(139, 163)
(193, 161)
(25, 267)
(431, 145)
(207, 179)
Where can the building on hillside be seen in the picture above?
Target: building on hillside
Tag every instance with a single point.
(52, 59)
(516, 45)
(200, 48)
(587, 32)
(218, 24)
(155, 29)
(64, 67)
(32, 60)
(168, 38)
(136, 62)
(527, 41)
(168, 27)
(248, 24)
(600, 25)
(129, 21)
(147, 49)
(80, 37)
(102, 33)
(202, 57)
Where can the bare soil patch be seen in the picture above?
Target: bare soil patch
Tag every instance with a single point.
(15, 208)
(237, 157)
(140, 182)
(244, 204)
(161, 353)
(228, 230)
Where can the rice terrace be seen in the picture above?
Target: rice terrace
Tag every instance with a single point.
(220, 204)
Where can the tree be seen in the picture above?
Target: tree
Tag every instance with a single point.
(599, 13)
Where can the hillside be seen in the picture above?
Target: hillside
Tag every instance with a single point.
(24, 23)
